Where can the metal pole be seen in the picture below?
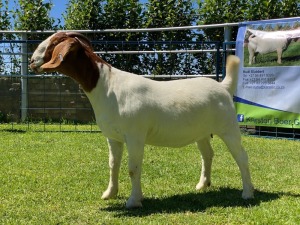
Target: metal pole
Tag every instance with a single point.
(206, 26)
(227, 33)
(218, 63)
(227, 38)
(24, 79)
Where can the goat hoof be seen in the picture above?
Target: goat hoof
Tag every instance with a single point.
(249, 194)
(133, 203)
(108, 194)
(202, 185)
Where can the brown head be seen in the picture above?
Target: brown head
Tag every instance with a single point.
(69, 53)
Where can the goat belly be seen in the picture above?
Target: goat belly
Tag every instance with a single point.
(170, 141)
(173, 139)
(176, 135)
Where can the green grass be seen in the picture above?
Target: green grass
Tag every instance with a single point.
(58, 178)
(290, 57)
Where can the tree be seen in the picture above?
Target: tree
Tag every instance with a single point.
(4, 16)
(120, 14)
(33, 15)
(4, 25)
(221, 11)
(83, 15)
(170, 13)
(242, 10)
(272, 9)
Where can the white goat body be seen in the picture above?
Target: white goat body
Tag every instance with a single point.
(137, 111)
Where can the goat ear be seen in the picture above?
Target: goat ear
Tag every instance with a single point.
(59, 54)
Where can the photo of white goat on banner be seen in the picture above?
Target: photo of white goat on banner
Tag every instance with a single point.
(264, 42)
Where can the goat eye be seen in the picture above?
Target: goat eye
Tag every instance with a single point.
(61, 57)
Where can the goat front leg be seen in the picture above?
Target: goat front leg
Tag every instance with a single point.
(279, 55)
(207, 156)
(115, 157)
(135, 148)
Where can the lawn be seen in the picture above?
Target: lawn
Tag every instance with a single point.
(58, 178)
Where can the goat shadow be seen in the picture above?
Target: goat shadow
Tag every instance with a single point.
(194, 202)
(14, 130)
(284, 59)
(292, 58)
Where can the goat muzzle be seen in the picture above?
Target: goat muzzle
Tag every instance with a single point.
(35, 68)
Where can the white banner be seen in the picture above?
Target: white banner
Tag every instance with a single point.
(269, 78)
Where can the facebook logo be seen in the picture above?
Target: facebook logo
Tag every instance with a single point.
(240, 118)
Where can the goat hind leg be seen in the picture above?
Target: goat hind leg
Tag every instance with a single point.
(233, 142)
(115, 157)
(207, 156)
(251, 56)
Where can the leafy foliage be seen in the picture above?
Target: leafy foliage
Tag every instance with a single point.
(242, 10)
(33, 15)
(4, 16)
(120, 14)
(171, 13)
(4, 25)
(272, 9)
(83, 15)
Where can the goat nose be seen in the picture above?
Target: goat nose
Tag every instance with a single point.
(33, 67)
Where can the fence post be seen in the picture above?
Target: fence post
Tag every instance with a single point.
(24, 70)
(227, 38)
(227, 33)
(218, 63)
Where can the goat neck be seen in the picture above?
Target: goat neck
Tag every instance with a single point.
(83, 68)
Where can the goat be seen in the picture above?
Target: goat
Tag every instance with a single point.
(265, 42)
(136, 111)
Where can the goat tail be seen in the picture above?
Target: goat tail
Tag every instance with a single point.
(232, 70)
